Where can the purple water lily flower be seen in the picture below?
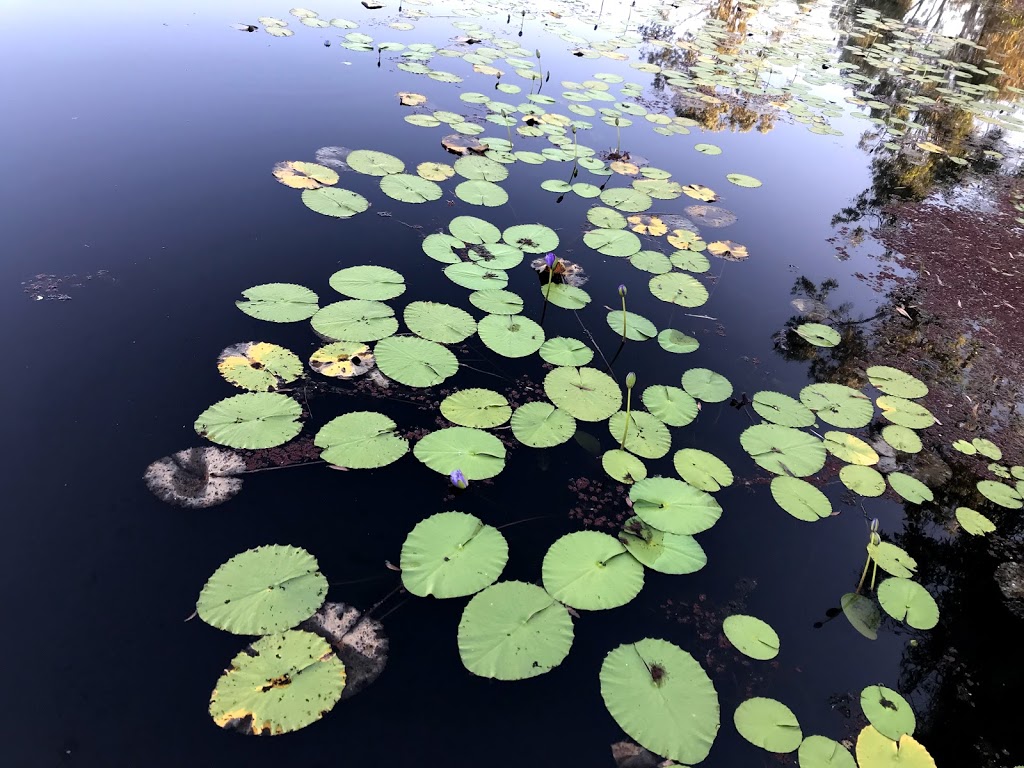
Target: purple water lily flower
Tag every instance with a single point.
(459, 480)
(550, 260)
(622, 291)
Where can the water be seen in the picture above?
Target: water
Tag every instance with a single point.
(142, 138)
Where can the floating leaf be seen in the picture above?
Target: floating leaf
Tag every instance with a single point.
(408, 99)
(258, 367)
(670, 553)
(850, 448)
(674, 506)
(623, 466)
(974, 522)
(452, 554)
(730, 251)
(496, 301)
(196, 478)
(742, 180)
(700, 192)
(442, 323)
(702, 469)
(1001, 494)
(801, 499)
(279, 684)
(368, 282)
(645, 435)
(435, 171)
(815, 333)
(863, 480)
(513, 631)
(299, 175)
(908, 601)
(893, 381)
(374, 163)
(476, 276)
(480, 168)
(479, 192)
(987, 448)
(672, 340)
(862, 613)
(910, 488)
(706, 385)
(822, 752)
(651, 261)
(626, 199)
(531, 238)
(342, 359)
(670, 404)
(783, 450)
(541, 425)
(415, 362)
(661, 697)
(606, 218)
(838, 405)
(564, 351)
(902, 438)
(481, 408)
(591, 571)
(407, 188)
(511, 335)
(565, 296)
(782, 409)
(751, 636)
(361, 440)
(768, 724)
(339, 203)
(906, 413)
(637, 327)
(875, 750)
(355, 320)
(279, 302)
(254, 420)
(678, 288)
(585, 393)
(612, 242)
(892, 559)
(480, 455)
(647, 225)
(888, 712)
(263, 590)
(708, 149)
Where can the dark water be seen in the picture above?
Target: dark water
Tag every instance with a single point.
(140, 140)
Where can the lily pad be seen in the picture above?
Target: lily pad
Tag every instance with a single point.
(361, 440)
(531, 238)
(904, 412)
(476, 276)
(1001, 494)
(497, 301)
(674, 506)
(263, 590)
(339, 203)
(342, 359)
(702, 469)
(822, 752)
(542, 425)
(407, 188)
(768, 724)
(415, 362)
(679, 288)
(368, 282)
(626, 199)
(475, 167)
(355, 320)
(254, 420)
(435, 171)
(442, 323)
(585, 393)
(452, 554)
(196, 478)
(645, 435)
(974, 522)
(606, 218)
(850, 448)
(838, 405)
(662, 698)
(801, 499)
(910, 488)
(279, 302)
(893, 381)
(374, 163)
(902, 438)
(258, 366)
(565, 296)
(478, 454)
(474, 231)
(623, 466)
(742, 180)
(888, 712)
(817, 334)
(670, 553)
(513, 631)
(613, 242)
(892, 559)
(751, 636)
(670, 404)
(782, 409)
(908, 601)
(706, 385)
(636, 327)
(479, 192)
(672, 340)
(510, 335)
(481, 408)
(875, 750)
(564, 351)
(987, 448)
(862, 613)
(863, 480)
(592, 571)
(783, 450)
(299, 175)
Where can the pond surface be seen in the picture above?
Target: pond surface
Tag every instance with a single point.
(139, 190)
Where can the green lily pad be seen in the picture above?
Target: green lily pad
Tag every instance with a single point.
(892, 559)
(875, 750)
(674, 506)
(670, 404)
(361, 440)
(626, 199)
(974, 522)
(862, 613)
(863, 480)
(987, 448)
(908, 601)
(708, 149)
(910, 488)
(474, 231)
(893, 381)
(441, 247)
(742, 180)
(442, 323)
(645, 435)
(355, 320)
(279, 684)
(965, 447)
(662, 698)
(702, 470)
(475, 276)
(263, 590)
(636, 327)
(817, 334)
(902, 438)
(496, 301)
(452, 554)
(564, 351)
(768, 724)
(531, 238)
(850, 448)
(822, 752)
(510, 335)
(783, 450)
(801, 499)
(542, 425)
(481, 408)
(670, 553)
(253, 420)
(279, 302)
(480, 455)
(691, 261)
(606, 218)
(513, 631)
(751, 636)
(407, 188)
(584, 393)
(612, 242)
(672, 340)
(623, 466)
(368, 282)
(904, 412)
(338, 203)
(480, 168)
(888, 712)
(654, 262)
(782, 409)
(838, 405)
(415, 362)
(996, 492)
(679, 288)
(706, 385)
(591, 571)
(565, 296)
(374, 163)
(479, 192)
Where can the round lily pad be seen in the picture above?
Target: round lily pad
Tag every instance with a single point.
(801, 499)
(640, 433)
(849, 448)
(679, 288)
(706, 385)
(623, 466)
(474, 231)
(606, 218)
(904, 412)
(415, 362)
(496, 301)
(817, 334)
(279, 302)
(674, 506)
(479, 192)
(996, 492)
(452, 554)
(672, 340)
(299, 175)
(564, 351)
(342, 359)
(670, 553)
(481, 408)
(910, 488)
(361, 440)
(888, 712)
(442, 323)
(511, 335)
(339, 203)
(751, 636)
(590, 570)
(670, 404)
(892, 559)
(875, 750)
(355, 320)
(542, 425)
(863, 480)
(636, 327)
(531, 238)
(822, 752)
(565, 296)
(368, 282)
(476, 276)
(374, 163)
(908, 601)
(742, 180)
(626, 199)
(974, 522)
(783, 450)
(478, 454)
(253, 420)
(585, 393)
(702, 469)
(482, 168)
(893, 381)
(902, 438)
(768, 724)
(782, 409)
(838, 405)
(612, 242)
(407, 188)
(258, 366)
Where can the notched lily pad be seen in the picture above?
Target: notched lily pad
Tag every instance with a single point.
(196, 478)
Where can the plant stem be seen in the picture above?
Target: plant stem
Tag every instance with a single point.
(629, 399)
(863, 574)
(623, 318)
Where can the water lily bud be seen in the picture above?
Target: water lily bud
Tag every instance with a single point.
(622, 291)
(630, 380)
(874, 525)
(459, 480)
(538, 53)
(550, 260)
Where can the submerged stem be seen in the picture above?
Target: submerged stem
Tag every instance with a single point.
(625, 431)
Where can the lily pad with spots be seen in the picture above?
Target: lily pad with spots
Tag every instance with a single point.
(751, 636)
(442, 323)
(355, 320)
(678, 342)
(838, 405)
(623, 466)
(481, 408)
(531, 238)
(258, 366)
(783, 450)
(279, 302)
(415, 362)
(817, 334)
(510, 335)
(670, 553)
(342, 359)
(253, 420)
(339, 203)
(702, 469)
(361, 440)
(542, 425)
(300, 175)
(584, 393)
(674, 506)
(680, 289)
(592, 571)
(452, 554)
